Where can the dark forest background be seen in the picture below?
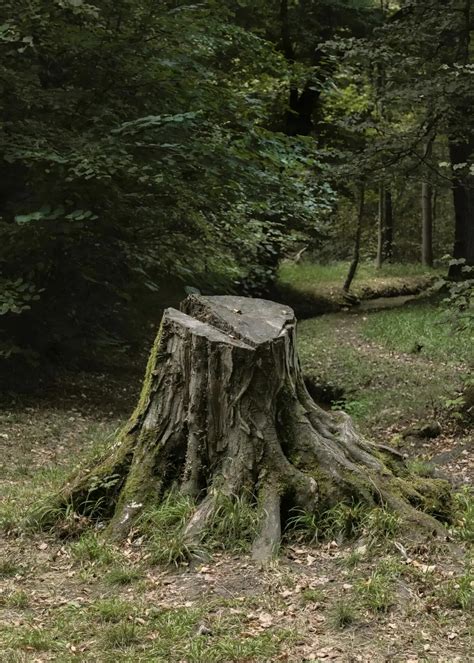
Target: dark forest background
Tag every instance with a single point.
(151, 147)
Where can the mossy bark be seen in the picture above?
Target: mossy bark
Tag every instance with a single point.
(224, 409)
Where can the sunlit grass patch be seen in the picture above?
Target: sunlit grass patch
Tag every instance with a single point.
(377, 591)
(463, 515)
(458, 593)
(310, 275)
(418, 329)
(90, 548)
(343, 522)
(380, 388)
(123, 575)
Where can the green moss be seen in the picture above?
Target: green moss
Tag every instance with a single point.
(432, 496)
(437, 496)
(147, 385)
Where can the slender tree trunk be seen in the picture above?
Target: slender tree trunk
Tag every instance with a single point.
(224, 411)
(427, 224)
(427, 214)
(463, 200)
(356, 255)
(461, 151)
(380, 227)
(384, 227)
(388, 229)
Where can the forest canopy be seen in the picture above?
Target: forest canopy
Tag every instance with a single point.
(144, 142)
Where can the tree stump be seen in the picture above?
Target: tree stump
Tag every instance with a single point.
(223, 410)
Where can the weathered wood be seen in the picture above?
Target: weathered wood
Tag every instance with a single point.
(224, 410)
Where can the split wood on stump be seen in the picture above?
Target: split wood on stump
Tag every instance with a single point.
(224, 410)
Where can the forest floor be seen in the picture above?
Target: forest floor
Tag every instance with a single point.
(364, 600)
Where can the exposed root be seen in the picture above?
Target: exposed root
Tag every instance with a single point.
(267, 543)
(200, 519)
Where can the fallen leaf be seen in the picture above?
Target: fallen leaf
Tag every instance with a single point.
(265, 619)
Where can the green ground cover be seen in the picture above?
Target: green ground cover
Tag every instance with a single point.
(396, 367)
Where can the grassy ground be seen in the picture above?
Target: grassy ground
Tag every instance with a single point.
(396, 367)
(308, 274)
(313, 289)
(370, 599)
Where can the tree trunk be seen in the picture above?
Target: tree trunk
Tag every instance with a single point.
(427, 204)
(388, 229)
(426, 224)
(461, 151)
(224, 410)
(356, 255)
(463, 199)
(380, 227)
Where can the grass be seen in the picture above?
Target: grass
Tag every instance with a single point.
(112, 629)
(91, 549)
(112, 609)
(382, 385)
(8, 568)
(459, 592)
(463, 519)
(419, 329)
(18, 599)
(234, 524)
(343, 614)
(123, 575)
(22, 494)
(377, 591)
(120, 635)
(308, 275)
(344, 522)
(421, 467)
(353, 559)
(163, 527)
(311, 595)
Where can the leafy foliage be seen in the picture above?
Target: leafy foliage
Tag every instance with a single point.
(135, 148)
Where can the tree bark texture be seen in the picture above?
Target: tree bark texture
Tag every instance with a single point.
(463, 200)
(356, 253)
(427, 224)
(385, 227)
(224, 410)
